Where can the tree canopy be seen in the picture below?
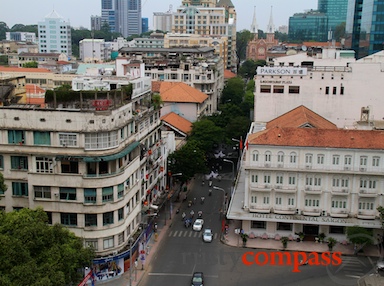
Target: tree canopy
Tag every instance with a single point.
(233, 91)
(248, 68)
(359, 235)
(206, 134)
(188, 160)
(35, 253)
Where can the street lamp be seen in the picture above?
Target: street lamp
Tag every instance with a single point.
(130, 240)
(233, 167)
(221, 189)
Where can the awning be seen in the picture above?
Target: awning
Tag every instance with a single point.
(121, 154)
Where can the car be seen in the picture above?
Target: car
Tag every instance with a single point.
(207, 235)
(197, 279)
(198, 225)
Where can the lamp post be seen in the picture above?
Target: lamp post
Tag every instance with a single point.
(221, 189)
(233, 168)
(130, 260)
(240, 143)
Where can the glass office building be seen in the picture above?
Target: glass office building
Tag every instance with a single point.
(365, 26)
(316, 24)
(311, 26)
(336, 11)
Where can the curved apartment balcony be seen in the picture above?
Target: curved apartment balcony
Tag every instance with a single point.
(285, 189)
(340, 191)
(311, 211)
(284, 210)
(366, 214)
(367, 193)
(261, 188)
(313, 190)
(255, 208)
(336, 212)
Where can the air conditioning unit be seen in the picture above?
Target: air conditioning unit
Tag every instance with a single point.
(347, 168)
(308, 167)
(278, 187)
(267, 165)
(363, 191)
(363, 169)
(307, 188)
(56, 195)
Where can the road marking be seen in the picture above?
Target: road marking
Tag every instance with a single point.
(353, 276)
(185, 233)
(178, 274)
(180, 234)
(215, 236)
(190, 233)
(174, 233)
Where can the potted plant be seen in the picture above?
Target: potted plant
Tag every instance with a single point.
(331, 243)
(244, 237)
(284, 241)
(301, 236)
(321, 237)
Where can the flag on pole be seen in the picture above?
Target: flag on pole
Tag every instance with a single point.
(241, 143)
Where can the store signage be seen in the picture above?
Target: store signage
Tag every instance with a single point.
(281, 71)
(316, 219)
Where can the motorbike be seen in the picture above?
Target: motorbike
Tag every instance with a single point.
(210, 192)
(183, 215)
(189, 204)
(210, 183)
(200, 214)
(202, 200)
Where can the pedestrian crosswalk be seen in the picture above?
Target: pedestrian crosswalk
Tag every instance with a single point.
(354, 267)
(188, 233)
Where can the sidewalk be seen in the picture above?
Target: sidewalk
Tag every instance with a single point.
(154, 245)
(233, 239)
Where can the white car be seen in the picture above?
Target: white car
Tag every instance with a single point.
(198, 225)
(207, 235)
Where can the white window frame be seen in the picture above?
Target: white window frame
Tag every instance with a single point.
(108, 242)
(68, 139)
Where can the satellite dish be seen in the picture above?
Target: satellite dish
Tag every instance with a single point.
(304, 48)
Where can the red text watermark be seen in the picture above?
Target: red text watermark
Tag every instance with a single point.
(296, 259)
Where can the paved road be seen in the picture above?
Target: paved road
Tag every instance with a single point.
(182, 252)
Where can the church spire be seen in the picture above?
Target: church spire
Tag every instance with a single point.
(254, 28)
(271, 26)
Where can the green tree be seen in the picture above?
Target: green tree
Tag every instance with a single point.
(242, 39)
(206, 134)
(157, 102)
(35, 253)
(249, 67)
(233, 91)
(359, 235)
(24, 28)
(33, 64)
(3, 60)
(188, 160)
(339, 32)
(282, 37)
(3, 186)
(3, 29)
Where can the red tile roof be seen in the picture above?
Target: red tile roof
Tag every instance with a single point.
(178, 92)
(228, 74)
(301, 116)
(178, 122)
(17, 69)
(33, 88)
(319, 138)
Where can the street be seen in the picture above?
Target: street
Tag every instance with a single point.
(183, 252)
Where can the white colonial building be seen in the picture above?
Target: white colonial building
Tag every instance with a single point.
(92, 163)
(331, 83)
(302, 174)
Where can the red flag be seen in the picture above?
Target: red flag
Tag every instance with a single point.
(246, 145)
(241, 143)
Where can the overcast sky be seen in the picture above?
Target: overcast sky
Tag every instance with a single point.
(78, 12)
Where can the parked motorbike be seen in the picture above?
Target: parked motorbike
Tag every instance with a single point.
(210, 192)
(202, 200)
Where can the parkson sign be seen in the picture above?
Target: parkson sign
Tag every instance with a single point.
(281, 71)
(295, 259)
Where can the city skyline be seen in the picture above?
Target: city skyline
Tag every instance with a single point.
(80, 15)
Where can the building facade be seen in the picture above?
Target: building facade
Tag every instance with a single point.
(208, 18)
(311, 179)
(85, 162)
(122, 16)
(328, 181)
(162, 21)
(55, 35)
(93, 50)
(364, 27)
(21, 36)
(326, 81)
(220, 44)
(197, 67)
(96, 23)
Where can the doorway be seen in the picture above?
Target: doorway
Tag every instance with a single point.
(310, 229)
